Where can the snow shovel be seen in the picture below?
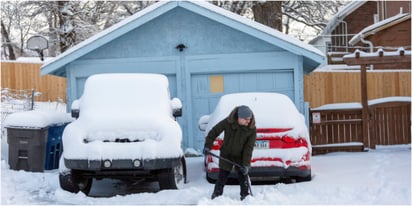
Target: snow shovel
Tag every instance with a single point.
(249, 184)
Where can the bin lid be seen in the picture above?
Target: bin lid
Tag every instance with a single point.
(36, 119)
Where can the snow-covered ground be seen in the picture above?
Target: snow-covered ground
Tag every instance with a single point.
(381, 176)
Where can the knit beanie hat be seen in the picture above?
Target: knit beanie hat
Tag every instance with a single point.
(244, 112)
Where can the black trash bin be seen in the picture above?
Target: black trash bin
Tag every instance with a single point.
(34, 147)
(27, 148)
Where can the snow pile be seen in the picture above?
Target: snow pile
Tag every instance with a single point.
(357, 105)
(37, 119)
(377, 177)
(377, 53)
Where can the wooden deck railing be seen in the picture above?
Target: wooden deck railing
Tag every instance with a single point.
(390, 123)
(337, 130)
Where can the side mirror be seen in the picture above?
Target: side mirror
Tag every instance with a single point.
(176, 107)
(203, 121)
(75, 108)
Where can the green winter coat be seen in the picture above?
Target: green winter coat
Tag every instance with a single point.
(238, 142)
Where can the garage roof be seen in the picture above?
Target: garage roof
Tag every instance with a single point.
(312, 57)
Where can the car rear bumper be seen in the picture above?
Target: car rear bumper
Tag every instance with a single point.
(267, 173)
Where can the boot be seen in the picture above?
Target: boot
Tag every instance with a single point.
(218, 190)
(220, 183)
(244, 186)
(242, 197)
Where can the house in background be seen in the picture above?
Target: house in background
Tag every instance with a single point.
(390, 34)
(350, 22)
(204, 50)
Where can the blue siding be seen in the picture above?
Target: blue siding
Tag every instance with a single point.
(160, 36)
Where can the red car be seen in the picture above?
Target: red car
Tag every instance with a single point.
(282, 150)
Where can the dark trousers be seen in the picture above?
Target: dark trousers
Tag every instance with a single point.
(221, 181)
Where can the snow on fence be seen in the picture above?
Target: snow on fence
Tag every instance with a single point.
(338, 127)
(14, 100)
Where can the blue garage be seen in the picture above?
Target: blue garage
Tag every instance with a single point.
(204, 50)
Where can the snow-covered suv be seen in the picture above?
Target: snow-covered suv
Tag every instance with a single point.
(126, 128)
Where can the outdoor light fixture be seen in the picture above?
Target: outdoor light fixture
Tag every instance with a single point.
(181, 47)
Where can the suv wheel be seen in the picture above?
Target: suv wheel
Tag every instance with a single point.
(75, 183)
(85, 184)
(67, 183)
(173, 178)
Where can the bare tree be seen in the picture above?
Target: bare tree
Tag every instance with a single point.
(13, 17)
(268, 13)
(281, 14)
(314, 14)
(238, 7)
(5, 36)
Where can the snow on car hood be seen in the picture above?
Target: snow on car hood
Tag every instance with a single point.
(133, 129)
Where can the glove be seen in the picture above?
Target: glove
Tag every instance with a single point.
(244, 170)
(206, 150)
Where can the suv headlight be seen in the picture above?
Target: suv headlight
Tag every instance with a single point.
(107, 163)
(136, 163)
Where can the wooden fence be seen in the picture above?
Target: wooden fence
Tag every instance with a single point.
(390, 123)
(26, 76)
(339, 87)
(341, 130)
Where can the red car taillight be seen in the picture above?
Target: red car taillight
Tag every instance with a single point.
(278, 140)
(217, 144)
(286, 142)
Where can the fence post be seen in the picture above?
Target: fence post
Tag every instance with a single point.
(365, 113)
(372, 127)
(32, 99)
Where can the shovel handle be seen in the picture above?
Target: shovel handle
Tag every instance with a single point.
(226, 160)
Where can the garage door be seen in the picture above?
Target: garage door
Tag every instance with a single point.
(208, 88)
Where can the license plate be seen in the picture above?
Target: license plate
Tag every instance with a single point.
(262, 145)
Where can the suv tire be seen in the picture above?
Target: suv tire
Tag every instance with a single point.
(74, 183)
(173, 178)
